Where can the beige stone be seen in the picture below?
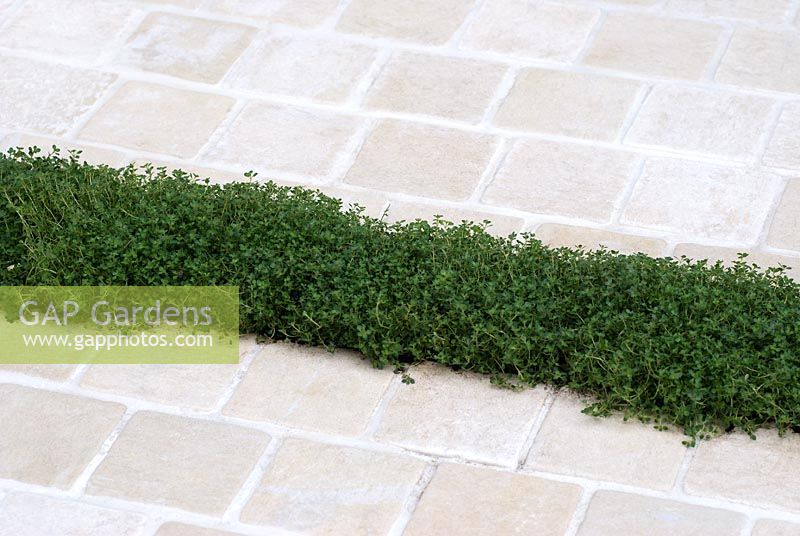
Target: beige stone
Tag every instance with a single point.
(729, 255)
(309, 388)
(312, 488)
(56, 372)
(92, 155)
(189, 386)
(786, 220)
(560, 178)
(613, 512)
(84, 30)
(372, 201)
(557, 235)
(500, 225)
(422, 160)
(298, 140)
(771, 527)
(456, 88)
(304, 13)
(425, 21)
(23, 514)
(45, 97)
(611, 449)
(762, 59)
(784, 147)
(158, 119)
(214, 175)
(700, 121)
(703, 200)
(178, 462)
(179, 529)
(569, 104)
(49, 438)
(653, 45)
(773, 12)
(460, 415)
(186, 4)
(186, 47)
(505, 503)
(737, 468)
(302, 65)
(542, 31)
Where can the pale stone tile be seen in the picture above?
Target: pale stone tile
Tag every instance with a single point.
(773, 12)
(783, 229)
(771, 527)
(23, 514)
(186, 47)
(294, 12)
(737, 468)
(506, 503)
(460, 415)
(762, 59)
(179, 529)
(301, 65)
(456, 88)
(784, 147)
(45, 97)
(425, 21)
(309, 388)
(49, 438)
(729, 255)
(158, 119)
(192, 386)
(533, 31)
(186, 4)
(372, 201)
(214, 176)
(329, 489)
(700, 121)
(605, 448)
(636, 3)
(698, 199)
(89, 154)
(500, 226)
(556, 235)
(653, 45)
(82, 30)
(178, 462)
(563, 179)
(55, 372)
(298, 140)
(422, 160)
(613, 512)
(569, 104)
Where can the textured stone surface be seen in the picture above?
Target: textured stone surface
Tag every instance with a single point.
(784, 147)
(304, 13)
(179, 529)
(337, 397)
(22, 514)
(729, 255)
(421, 160)
(501, 225)
(611, 449)
(533, 31)
(444, 413)
(703, 200)
(93, 155)
(773, 11)
(425, 21)
(49, 438)
(284, 63)
(786, 220)
(569, 104)
(158, 119)
(179, 462)
(685, 119)
(612, 512)
(557, 235)
(506, 503)
(654, 45)
(762, 59)
(770, 527)
(559, 178)
(436, 85)
(54, 372)
(339, 490)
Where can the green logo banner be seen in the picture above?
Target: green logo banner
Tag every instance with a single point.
(114, 324)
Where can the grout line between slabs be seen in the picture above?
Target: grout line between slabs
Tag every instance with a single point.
(413, 499)
(234, 510)
(580, 511)
(536, 426)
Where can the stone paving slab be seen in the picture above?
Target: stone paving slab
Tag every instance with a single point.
(663, 126)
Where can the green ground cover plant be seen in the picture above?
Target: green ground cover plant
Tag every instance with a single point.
(676, 342)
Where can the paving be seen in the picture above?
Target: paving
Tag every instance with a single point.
(670, 127)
